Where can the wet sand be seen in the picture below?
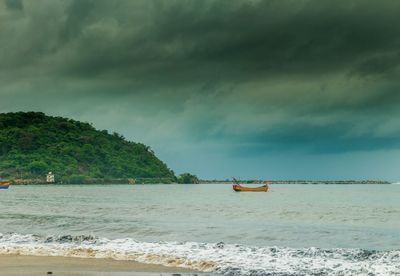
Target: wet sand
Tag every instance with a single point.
(16, 265)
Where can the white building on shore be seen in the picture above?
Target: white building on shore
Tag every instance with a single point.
(50, 178)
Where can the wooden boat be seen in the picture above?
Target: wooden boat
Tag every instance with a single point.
(239, 188)
(4, 184)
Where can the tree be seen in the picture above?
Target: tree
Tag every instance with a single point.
(76, 179)
(38, 167)
(187, 178)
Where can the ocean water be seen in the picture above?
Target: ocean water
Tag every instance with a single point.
(290, 230)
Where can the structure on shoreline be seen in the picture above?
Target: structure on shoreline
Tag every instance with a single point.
(50, 178)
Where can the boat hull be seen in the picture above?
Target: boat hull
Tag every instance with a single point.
(239, 188)
(4, 185)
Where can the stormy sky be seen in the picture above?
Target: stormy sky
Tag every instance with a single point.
(280, 89)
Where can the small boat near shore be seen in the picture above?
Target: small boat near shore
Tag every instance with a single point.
(5, 184)
(239, 188)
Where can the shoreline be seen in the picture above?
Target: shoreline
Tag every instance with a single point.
(219, 182)
(16, 265)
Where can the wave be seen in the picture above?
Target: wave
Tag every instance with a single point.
(221, 258)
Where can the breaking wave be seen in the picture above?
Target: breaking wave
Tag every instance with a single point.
(221, 258)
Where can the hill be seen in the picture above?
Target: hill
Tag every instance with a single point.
(31, 144)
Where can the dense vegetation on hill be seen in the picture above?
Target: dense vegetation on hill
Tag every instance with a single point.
(187, 178)
(32, 144)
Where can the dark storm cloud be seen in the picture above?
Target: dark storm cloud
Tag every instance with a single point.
(187, 40)
(368, 124)
(262, 39)
(310, 139)
(14, 4)
(77, 14)
(254, 76)
(304, 37)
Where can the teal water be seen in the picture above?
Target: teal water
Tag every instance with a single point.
(288, 217)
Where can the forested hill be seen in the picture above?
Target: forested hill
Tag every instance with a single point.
(31, 144)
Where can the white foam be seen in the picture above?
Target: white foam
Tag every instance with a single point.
(223, 258)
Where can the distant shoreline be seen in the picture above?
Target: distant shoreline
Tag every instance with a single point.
(211, 182)
(298, 182)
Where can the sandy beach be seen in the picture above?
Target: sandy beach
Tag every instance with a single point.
(15, 265)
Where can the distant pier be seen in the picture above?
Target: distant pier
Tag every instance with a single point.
(299, 181)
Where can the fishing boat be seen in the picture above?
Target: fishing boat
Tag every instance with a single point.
(4, 184)
(239, 188)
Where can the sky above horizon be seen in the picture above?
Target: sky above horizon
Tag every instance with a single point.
(305, 89)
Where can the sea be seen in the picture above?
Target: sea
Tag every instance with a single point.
(290, 230)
